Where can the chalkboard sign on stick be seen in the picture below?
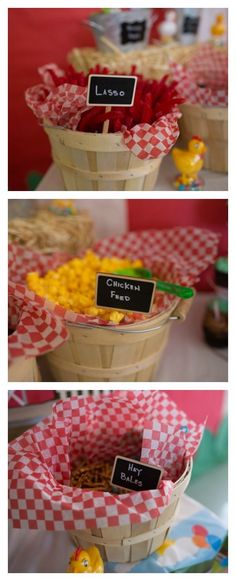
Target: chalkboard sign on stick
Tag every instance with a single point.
(111, 90)
(133, 31)
(134, 475)
(124, 293)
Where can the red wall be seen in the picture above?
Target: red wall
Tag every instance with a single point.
(169, 213)
(201, 405)
(36, 37)
(32, 397)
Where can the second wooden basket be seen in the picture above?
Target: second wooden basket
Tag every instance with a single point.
(24, 369)
(211, 123)
(97, 161)
(124, 353)
(129, 543)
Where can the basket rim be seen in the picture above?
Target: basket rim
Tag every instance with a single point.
(115, 137)
(188, 467)
(122, 327)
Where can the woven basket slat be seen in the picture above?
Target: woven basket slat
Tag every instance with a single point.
(150, 181)
(24, 369)
(140, 550)
(103, 163)
(113, 533)
(135, 183)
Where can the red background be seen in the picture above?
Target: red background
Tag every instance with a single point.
(169, 213)
(36, 37)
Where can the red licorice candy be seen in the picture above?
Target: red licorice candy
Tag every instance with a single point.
(153, 99)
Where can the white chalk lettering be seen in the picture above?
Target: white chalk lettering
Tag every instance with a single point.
(134, 468)
(131, 479)
(124, 285)
(117, 297)
(108, 92)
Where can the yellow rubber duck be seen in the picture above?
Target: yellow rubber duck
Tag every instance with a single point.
(189, 162)
(85, 561)
(218, 28)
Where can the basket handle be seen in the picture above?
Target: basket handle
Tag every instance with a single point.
(183, 308)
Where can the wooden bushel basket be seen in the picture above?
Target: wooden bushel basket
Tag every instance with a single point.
(124, 353)
(129, 543)
(211, 124)
(97, 161)
(24, 369)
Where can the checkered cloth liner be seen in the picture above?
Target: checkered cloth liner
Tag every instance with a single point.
(170, 440)
(48, 79)
(177, 255)
(153, 141)
(63, 106)
(36, 330)
(204, 79)
(40, 496)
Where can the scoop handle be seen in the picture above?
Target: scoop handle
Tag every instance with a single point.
(184, 292)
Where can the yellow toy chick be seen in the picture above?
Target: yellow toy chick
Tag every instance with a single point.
(189, 162)
(218, 28)
(85, 561)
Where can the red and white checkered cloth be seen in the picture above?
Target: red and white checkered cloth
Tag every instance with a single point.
(36, 330)
(40, 496)
(169, 440)
(177, 255)
(204, 79)
(153, 141)
(63, 106)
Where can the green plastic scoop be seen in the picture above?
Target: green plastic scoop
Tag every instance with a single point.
(184, 292)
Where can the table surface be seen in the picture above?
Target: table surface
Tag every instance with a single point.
(187, 357)
(214, 181)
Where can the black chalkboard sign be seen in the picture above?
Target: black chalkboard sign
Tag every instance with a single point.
(133, 475)
(125, 293)
(111, 90)
(190, 24)
(133, 31)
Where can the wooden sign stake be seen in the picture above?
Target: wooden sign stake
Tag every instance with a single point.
(106, 123)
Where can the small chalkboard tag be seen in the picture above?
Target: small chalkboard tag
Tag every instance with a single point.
(133, 475)
(124, 293)
(133, 31)
(111, 90)
(190, 24)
